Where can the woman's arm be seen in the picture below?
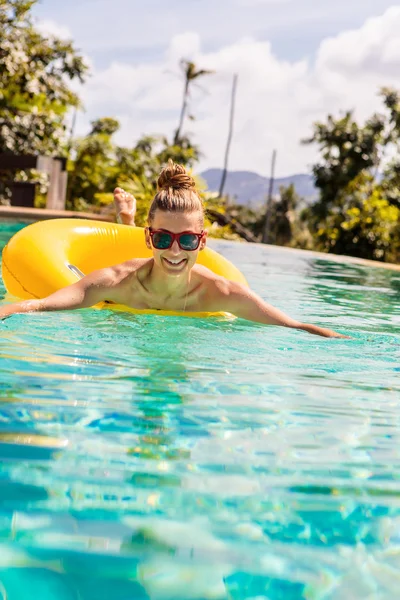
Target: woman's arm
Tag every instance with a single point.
(245, 304)
(88, 291)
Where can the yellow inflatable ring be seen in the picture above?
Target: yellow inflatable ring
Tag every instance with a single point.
(48, 255)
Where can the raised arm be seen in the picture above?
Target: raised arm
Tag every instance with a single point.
(88, 291)
(245, 304)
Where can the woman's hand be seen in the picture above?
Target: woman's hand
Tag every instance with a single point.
(90, 290)
(19, 307)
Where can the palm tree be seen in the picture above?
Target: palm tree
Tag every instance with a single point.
(191, 73)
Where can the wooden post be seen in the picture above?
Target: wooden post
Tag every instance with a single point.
(56, 194)
(265, 236)
(62, 189)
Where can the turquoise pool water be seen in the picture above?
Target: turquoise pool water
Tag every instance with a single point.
(164, 458)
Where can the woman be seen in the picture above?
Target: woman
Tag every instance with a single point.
(171, 280)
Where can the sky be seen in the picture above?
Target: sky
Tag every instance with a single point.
(297, 61)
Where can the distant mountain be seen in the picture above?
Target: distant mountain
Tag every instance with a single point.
(251, 189)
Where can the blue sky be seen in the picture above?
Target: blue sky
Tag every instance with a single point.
(297, 60)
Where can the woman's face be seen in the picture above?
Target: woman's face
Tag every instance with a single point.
(174, 261)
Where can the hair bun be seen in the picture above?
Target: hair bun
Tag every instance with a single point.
(176, 177)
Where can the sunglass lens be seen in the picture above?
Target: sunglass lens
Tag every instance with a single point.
(188, 241)
(162, 240)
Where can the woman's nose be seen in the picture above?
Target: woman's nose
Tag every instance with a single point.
(175, 247)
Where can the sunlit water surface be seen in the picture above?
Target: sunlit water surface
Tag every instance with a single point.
(166, 458)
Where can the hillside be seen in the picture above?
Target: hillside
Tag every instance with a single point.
(248, 188)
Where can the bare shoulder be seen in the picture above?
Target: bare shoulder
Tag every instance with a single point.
(219, 292)
(225, 286)
(220, 284)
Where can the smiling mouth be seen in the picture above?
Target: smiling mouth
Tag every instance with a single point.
(175, 263)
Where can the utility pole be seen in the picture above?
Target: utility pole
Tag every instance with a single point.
(230, 134)
(266, 232)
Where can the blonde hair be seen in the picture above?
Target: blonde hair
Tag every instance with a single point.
(176, 192)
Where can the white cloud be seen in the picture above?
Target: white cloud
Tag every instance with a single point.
(184, 45)
(277, 100)
(50, 28)
(373, 47)
(351, 67)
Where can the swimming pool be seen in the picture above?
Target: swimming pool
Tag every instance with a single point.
(165, 458)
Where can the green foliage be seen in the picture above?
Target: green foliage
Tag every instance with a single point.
(251, 219)
(359, 206)
(34, 83)
(93, 168)
(365, 224)
(221, 232)
(212, 201)
(346, 151)
(282, 216)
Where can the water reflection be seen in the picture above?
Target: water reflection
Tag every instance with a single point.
(365, 297)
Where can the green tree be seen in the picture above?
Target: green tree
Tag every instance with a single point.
(35, 72)
(367, 224)
(358, 209)
(346, 150)
(390, 183)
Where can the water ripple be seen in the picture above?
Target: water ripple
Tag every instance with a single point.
(155, 457)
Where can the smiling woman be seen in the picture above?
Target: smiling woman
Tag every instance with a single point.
(164, 276)
(65, 249)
